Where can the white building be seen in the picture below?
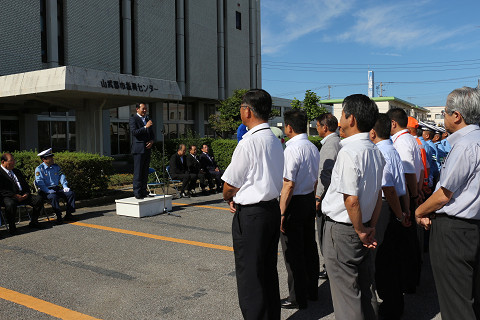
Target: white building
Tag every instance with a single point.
(70, 71)
(436, 115)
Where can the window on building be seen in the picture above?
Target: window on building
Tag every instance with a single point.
(180, 120)
(238, 19)
(56, 130)
(9, 133)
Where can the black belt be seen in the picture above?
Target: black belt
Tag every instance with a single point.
(444, 215)
(342, 223)
(258, 204)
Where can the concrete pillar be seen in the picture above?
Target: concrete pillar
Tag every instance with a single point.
(259, 46)
(92, 128)
(199, 125)
(52, 33)
(28, 131)
(126, 62)
(252, 20)
(221, 49)
(155, 112)
(180, 30)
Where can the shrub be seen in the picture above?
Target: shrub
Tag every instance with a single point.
(316, 141)
(223, 151)
(87, 174)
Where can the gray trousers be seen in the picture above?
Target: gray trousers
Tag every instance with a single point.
(351, 272)
(455, 257)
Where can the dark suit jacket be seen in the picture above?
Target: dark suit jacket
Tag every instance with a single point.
(176, 165)
(140, 134)
(193, 165)
(206, 164)
(8, 188)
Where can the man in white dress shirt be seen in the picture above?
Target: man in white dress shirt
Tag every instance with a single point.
(455, 227)
(253, 182)
(297, 206)
(352, 205)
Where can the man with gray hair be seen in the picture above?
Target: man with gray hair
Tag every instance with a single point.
(455, 224)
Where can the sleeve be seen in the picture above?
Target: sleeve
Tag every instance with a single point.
(458, 168)
(406, 154)
(326, 164)
(63, 178)
(133, 127)
(39, 180)
(387, 178)
(236, 172)
(348, 173)
(291, 165)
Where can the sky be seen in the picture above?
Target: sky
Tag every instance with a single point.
(419, 50)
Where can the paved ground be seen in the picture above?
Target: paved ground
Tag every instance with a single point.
(150, 273)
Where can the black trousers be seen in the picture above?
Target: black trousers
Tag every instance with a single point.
(255, 231)
(216, 176)
(455, 257)
(54, 199)
(186, 178)
(300, 249)
(141, 164)
(196, 176)
(11, 208)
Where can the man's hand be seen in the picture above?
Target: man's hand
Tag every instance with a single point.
(406, 220)
(66, 189)
(367, 236)
(149, 124)
(216, 169)
(424, 222)
(20, 198)
(149, 143)
(50, 191)
(318, 205)
(232, 206)
(282, 228)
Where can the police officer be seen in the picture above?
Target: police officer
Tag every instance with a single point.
(48, 176)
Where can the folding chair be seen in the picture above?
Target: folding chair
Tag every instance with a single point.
(157, 182)
(173, 182)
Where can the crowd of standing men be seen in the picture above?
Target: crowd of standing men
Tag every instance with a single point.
(371, 193)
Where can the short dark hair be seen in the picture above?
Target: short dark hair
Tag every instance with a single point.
(399, 115)
(364, 110)
(260, 102)
(191, 147)
(180, 146)
(383, 126)
(297, 119)
(419, 132)
(5, 156)
(329, 120)
(137, 105)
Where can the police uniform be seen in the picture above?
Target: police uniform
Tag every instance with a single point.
(53, 185)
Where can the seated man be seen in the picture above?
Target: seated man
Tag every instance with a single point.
(14, 190)
(193, 165)
(178, 170)
(209, 165)
(48, 175)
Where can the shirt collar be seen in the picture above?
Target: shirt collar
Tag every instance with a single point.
(325, 139)
(458, 135)
(301, 136)
(45, 166)
(256, 128)
(396, 135)
(385, 142)
(355, 137)
(140, 116)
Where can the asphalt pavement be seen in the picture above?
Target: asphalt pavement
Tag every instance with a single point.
(106, 266)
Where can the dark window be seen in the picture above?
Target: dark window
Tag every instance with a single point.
(43, 28)
(61, 43)
(10, 136)
(238, 20)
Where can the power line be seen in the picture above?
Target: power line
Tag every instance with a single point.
(362, 71)
(369, 64)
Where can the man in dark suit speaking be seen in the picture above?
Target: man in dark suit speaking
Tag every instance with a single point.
(142, 132)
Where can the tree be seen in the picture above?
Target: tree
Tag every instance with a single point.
(296, 104)
(226, 122)
(311, 106)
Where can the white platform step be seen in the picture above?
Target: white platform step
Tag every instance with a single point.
(148, 206)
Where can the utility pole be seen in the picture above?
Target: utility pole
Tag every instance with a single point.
(329, 92)
(381, 89)
(478, 85)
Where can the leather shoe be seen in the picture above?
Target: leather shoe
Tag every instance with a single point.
(35, 224)
(286, 304)
(139, 197)
(12, 229)
(184, 195)
(59, 220)
(323, 275)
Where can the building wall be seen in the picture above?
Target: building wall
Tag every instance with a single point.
(20, 37)
(436, 115)
(237, 47)
(92, 34)
(154, 38)
(201, 48)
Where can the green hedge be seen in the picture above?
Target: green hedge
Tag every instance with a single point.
(87, 174)
(316, 141)
(223, 151)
